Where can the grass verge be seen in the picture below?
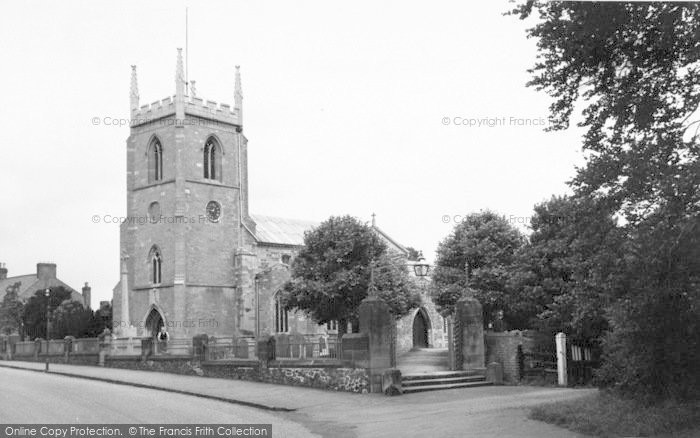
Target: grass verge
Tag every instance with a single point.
(606, 415)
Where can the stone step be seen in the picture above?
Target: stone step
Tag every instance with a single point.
(422, 356)
(424, 360)
(429, 351)
(431, 362)
(442, 375)
(437, 380)
(412, 389)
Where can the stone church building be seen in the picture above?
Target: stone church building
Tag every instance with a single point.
(193, 258)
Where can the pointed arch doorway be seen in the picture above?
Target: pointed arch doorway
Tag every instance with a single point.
(154, 321)
(421, 327)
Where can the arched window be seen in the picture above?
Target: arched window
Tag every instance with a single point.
(155, 161)
(156, 263)
(281, 316)
(332, 326)
(212, 159)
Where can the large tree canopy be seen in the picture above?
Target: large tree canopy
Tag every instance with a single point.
(34, 316)
(331, 274)
(568, 271)
(71, 318)
(475, 259)
(653, 348)
(635, 70)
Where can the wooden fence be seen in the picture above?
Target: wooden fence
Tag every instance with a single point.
(582, 359)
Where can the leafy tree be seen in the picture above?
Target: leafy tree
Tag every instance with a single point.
(567, 273)
(71, 318)
(413, 254)
(475, 258)
(653, 350)
(635, 69)
(331, 274)
(34, 315)
(11, 310)
(102, 319)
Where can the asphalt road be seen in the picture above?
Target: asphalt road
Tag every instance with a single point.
(32, 397)
(497, 411)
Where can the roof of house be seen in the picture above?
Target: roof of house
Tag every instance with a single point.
(30, 283)
(26, 282)
(281, 231)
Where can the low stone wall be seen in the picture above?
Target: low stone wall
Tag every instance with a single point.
(165, 364)
(315, 372)
(73, 359)
(329, 378)
(502, 347)
(83, 359)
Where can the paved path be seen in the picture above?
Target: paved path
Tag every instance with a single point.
(495, 411)
(423, 360)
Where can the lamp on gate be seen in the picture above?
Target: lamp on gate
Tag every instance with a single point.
(421, 267)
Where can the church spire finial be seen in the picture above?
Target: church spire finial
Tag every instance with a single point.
(179, 87)
(179, 74)
(238, 98)
(134, 93)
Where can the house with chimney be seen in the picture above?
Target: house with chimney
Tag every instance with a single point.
(44, 277)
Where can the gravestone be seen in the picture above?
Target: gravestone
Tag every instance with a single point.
(199, 347)
(243, 346)
(282, 348)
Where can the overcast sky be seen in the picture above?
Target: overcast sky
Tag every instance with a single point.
(350, 108)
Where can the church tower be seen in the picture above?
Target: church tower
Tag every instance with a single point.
(187, 215)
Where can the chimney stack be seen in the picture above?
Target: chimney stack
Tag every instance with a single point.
(46, 271)
(3, 271)
(87, 291)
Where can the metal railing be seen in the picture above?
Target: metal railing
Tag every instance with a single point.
(55, 346)
(231, 348)
(25, 348)
(85, 346)
(307, 347)
(125, 347)
(173, 347)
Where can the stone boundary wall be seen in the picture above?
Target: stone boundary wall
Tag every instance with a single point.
(174, 365)
(62, 358)
(330, 377)
(350, 372)
(502, 347)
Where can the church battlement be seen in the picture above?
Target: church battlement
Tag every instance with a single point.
(209, 109)
(194, 106)
(185, 102)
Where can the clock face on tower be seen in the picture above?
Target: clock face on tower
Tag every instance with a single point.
(213, 211)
